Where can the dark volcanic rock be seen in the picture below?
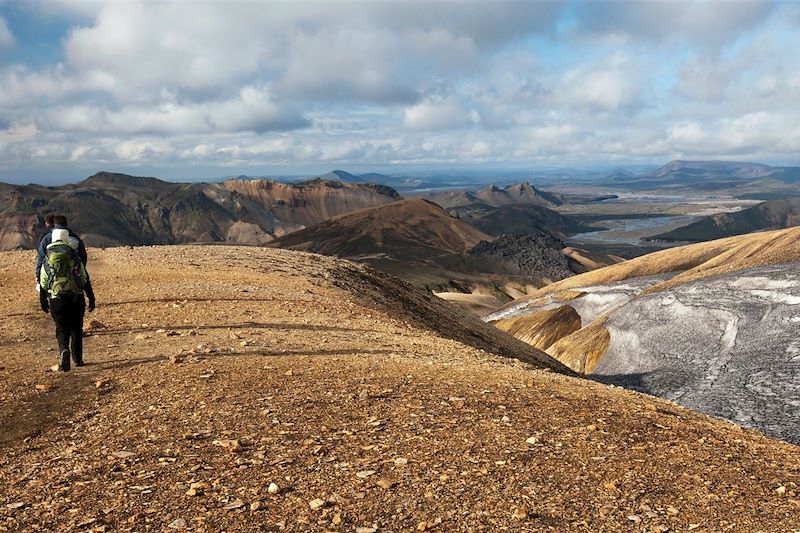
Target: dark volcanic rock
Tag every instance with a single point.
(534, 254)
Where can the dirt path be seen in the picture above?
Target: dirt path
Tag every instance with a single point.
(208, 384)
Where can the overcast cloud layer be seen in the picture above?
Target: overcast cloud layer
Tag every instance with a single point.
(199, 89)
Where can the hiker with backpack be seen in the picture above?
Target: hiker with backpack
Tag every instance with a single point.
(63, 281)
(59, 222)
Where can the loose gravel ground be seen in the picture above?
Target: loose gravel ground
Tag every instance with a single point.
(242, 389)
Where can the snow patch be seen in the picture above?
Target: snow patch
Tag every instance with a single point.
(759, 282)
(777, 297)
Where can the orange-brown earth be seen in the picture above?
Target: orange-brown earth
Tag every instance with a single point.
(218, 371)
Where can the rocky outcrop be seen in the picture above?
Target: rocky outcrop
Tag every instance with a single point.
(538, 255)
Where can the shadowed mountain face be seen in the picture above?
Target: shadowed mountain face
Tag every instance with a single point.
(774, 214)
(116, 209)
(519, 208)
(713, 326)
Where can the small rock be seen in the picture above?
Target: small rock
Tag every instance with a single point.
(256, 506)
(44, 387)
(520, 513)
(781, 490)
(178, 523)
(236, 504)
(364, 474)
(289, 373)
(123, 454)
(401, 461)
(531, 440)
(366, 529)
(672, 511)
(635, 518)
(384, 484)
(591, 427)
(17, 505)
(505, 419)
(54, 368)
(316, 504)
(273, 488)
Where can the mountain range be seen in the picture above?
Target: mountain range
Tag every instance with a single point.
(710, 176)
(116, 209)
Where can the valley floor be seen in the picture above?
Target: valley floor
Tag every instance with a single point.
(217, 371)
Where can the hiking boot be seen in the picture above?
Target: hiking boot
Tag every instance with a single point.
(64, 366)
(76, 361)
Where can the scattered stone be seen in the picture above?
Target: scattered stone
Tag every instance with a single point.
(273, 488)
(520, 513)
(316, 504)
(635, 518)
(17, 505)
(44, 387)
(366, 529)
(401, 461)
(123, 454)
(505, 419)
(236, 504)
(591, 427)
(781, 490)
(197, 488)
(256, 506)
(54, 368)
(364, 474)
(289, 373)
(178, 523)
(531, 440)
(672, 511)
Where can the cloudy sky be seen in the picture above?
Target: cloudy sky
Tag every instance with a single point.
(202, 89)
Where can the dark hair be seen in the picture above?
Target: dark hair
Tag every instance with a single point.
(49, 220)
(61, 220)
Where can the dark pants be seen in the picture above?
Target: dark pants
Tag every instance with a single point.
(68, 314)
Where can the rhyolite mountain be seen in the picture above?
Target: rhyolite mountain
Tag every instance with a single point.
(770, 215)
(110, 209)
(713, 326)
(420, 242)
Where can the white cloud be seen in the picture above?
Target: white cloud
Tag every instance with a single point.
(706, 22)
(6, 37)
(251, 110)
(438, 114)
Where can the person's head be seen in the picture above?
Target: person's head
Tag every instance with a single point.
(60, 220)
(49, 221)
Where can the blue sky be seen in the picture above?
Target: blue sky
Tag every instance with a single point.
(194, 90)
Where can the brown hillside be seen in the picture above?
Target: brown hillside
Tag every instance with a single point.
(412, 228)
(217, 371)
(543, 328)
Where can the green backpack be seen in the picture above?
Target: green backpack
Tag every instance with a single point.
(63, 272)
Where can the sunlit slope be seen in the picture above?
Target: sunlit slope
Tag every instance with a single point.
(713, 326)
(218, 371)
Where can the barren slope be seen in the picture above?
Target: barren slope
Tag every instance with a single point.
(367, 404)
